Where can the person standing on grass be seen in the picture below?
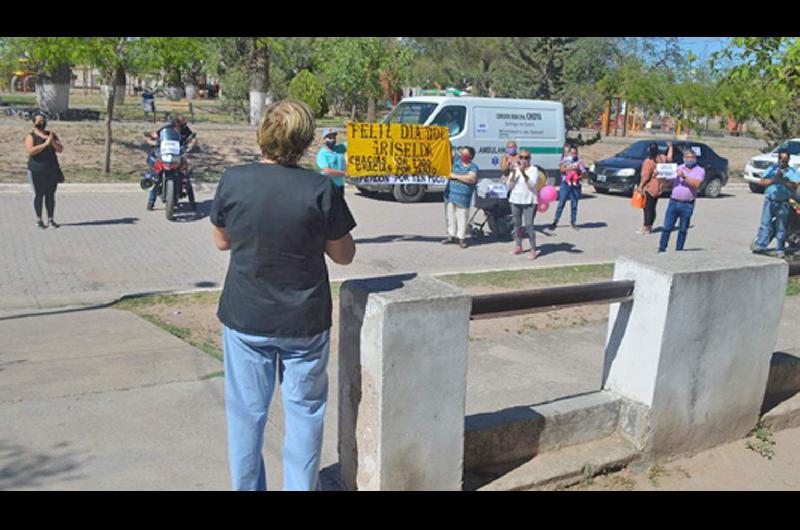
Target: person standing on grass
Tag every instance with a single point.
(650, 185)
(458, 196)
(681, 203)
(524, 198)
(779, 189)
(332, 158)
(43, 168)
(570, 189)
(279, 221)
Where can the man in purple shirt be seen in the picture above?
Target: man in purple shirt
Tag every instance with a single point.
(681, 203)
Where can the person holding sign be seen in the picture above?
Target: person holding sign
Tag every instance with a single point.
(570, 188)
(331, 158)
(524, 183)
(458, 196)
(780, 181)
(279, 221)
(650, 185)
(681, 203)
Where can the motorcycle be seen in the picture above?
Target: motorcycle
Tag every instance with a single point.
(170, 173)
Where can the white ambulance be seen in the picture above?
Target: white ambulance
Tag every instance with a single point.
(485, 124)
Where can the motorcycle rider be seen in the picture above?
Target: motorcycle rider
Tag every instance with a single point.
(780, 183)
(188, 140)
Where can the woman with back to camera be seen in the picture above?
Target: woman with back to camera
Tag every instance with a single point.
(43, 168)
(278, 220)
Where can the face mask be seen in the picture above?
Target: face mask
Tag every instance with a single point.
(330, 143)
(573, 158)
(41, 125)
(465, 158)
(691, 163)
(783, 163)
(511, 150)
(654, 152)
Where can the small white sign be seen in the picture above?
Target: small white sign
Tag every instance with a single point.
(667, 171)
(170, 147)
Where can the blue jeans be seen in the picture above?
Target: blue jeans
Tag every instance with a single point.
(573, 193)
(676, 211)
(779, 211)
(251, 364)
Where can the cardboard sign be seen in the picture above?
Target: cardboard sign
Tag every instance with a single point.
(377, 149)
(667, 171)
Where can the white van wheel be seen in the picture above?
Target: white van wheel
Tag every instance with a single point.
(409, 192)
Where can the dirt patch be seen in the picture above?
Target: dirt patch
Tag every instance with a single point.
(219, 147)
(727, 467)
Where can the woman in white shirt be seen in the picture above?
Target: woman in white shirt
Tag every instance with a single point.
(524, 184)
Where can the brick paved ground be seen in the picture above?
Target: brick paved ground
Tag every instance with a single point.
(110, 245)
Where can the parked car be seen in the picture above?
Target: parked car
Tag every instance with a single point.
(622, 172)
(756, 166)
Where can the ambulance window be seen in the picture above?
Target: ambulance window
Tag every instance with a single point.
(451, 117)
(410, 112)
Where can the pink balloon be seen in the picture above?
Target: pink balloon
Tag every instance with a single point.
(548, 194)
(542, 206)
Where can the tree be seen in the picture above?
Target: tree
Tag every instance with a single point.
(307, 88)
(457, 61)
(173, 56)
(51, 59)
(113, 56)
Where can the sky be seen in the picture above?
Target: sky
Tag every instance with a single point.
(703, 47)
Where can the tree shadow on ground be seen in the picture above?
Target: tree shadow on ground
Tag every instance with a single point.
(121, 221)
(24, 469)
(398, 238)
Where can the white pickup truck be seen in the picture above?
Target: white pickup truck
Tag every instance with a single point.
(756, 166)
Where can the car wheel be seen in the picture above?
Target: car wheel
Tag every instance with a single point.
(755, 188)
(713, 188)
(600, 189)
(367, 193)
(408, 192)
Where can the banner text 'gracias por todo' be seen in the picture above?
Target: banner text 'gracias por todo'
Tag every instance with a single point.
(375, 149)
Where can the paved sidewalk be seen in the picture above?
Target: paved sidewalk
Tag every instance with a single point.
(109, 245)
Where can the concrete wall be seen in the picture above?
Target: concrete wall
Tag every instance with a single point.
(402, 378)
(695, 346)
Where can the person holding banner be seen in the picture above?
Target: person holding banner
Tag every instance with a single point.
(331, 158)
(650, 185)
(688, 179)
(524, 183)
(279, 221)
(458, 196)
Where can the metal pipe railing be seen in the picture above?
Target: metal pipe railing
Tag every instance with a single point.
(535, 300)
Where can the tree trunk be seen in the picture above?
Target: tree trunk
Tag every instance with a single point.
(353, 113)
(371, 110)
(175, 88)
(120, 84)
(625, 120)
(259, 83)
(52, 90)
(109, 116)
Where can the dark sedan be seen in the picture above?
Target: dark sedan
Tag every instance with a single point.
(622, 172)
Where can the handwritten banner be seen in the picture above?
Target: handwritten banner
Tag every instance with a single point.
(378, 149)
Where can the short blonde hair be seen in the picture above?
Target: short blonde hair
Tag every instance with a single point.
(286, 130)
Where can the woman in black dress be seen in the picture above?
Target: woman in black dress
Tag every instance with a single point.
(42, 146)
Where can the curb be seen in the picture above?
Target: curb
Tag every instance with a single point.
(99, 187)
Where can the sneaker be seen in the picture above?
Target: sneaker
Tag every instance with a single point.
(462, 243)
(575, 227)
(517, 251)
(448, 240)
(41, 225)
(552, 226)
(149, 207)
(642, 232)
(53, 224)
(533, 254)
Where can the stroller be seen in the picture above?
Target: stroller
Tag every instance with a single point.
(491, 199)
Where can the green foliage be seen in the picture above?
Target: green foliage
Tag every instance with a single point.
(764, 443)
(45, 54)
(235, 87)
(306, 87)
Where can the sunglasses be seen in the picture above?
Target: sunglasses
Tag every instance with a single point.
(525, 158)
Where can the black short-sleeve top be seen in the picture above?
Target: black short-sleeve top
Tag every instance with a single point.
(278, 219)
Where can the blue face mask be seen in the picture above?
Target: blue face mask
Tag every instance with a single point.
(691, 163)
(511, 150)
(330, 143)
